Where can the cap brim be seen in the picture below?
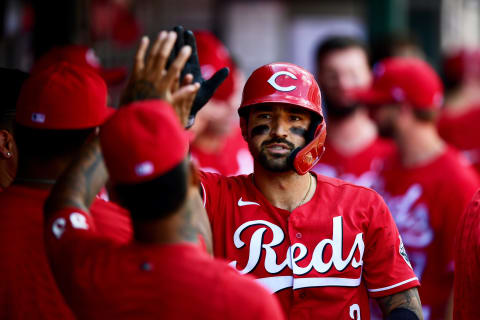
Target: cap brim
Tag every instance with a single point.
(113, 76)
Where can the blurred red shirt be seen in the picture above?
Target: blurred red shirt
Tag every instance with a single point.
(467, 263)
(28, 289)
(426, 203)
(361, 168)
(101, 279)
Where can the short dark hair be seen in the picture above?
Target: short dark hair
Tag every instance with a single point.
(11, 81)
(336, 43)
(158, 197)
(46, 144)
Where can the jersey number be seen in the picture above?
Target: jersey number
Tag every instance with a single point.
(355, 309)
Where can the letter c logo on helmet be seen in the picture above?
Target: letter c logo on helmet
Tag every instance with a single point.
(273, 78)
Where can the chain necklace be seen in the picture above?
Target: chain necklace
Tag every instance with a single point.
(304, 197)
(308, 191)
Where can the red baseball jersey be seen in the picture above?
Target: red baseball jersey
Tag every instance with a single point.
(426, 203)
(101, 279)
(361, 168)
(467, 263)
(233, 158)
(28, 290)
(461, 131)
(324, 259)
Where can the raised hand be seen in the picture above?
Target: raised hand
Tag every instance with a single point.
(207, 87)
(151, 80)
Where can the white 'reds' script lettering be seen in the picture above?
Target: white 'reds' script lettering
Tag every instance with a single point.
(298, 252)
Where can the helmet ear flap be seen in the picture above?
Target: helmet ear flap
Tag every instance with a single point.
(310, 134)
(306, 158)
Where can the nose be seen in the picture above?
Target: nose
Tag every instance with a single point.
(279, 127)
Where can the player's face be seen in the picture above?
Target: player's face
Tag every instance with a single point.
(340, 72)
(274, 131)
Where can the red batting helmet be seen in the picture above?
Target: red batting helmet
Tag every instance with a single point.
(287, 83)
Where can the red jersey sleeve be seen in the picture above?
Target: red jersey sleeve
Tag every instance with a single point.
(111, 220)
(65, 227)
(459, 196)
(387, 269)
(72, 243)
(212, 185)
(467, 263)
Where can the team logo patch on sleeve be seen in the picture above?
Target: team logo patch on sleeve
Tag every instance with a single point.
(403, 252)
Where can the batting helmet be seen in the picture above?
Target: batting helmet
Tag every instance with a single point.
(290, 84)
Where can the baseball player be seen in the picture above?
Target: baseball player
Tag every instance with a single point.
(427, 185)
(163, 273)
(82, 56)
(322, 245)
(57, 111)
(11, 80)
(218, 145)
(467, 267)
(457, 123)
(354, 151)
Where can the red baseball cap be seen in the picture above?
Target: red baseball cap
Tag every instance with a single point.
(213, 56)
(461, 64)
(142, 141)
(63, 96)
(409, 80)
(82, 56)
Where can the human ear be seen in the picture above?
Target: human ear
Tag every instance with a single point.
(7, 144)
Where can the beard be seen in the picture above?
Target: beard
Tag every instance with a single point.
(386, 131)
(273, 162)
(337, 111)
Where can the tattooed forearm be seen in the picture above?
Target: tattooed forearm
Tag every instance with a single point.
(139, 90)
(187, 230)
(81, 182)
(408, 299)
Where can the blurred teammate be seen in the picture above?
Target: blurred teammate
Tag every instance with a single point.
(354, 152)
(217, 144)
(11, 81)
(459, 119)
(82, 56)
(163, 273)
(57, 111)
(467, 265)
(427, 184)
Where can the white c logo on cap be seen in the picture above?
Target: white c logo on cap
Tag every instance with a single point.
(280, 88)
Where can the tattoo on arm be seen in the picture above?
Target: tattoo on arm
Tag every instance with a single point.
(408, 299)
(81, 182)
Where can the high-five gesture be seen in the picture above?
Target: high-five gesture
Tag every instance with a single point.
(207, 87)
(151, 80)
